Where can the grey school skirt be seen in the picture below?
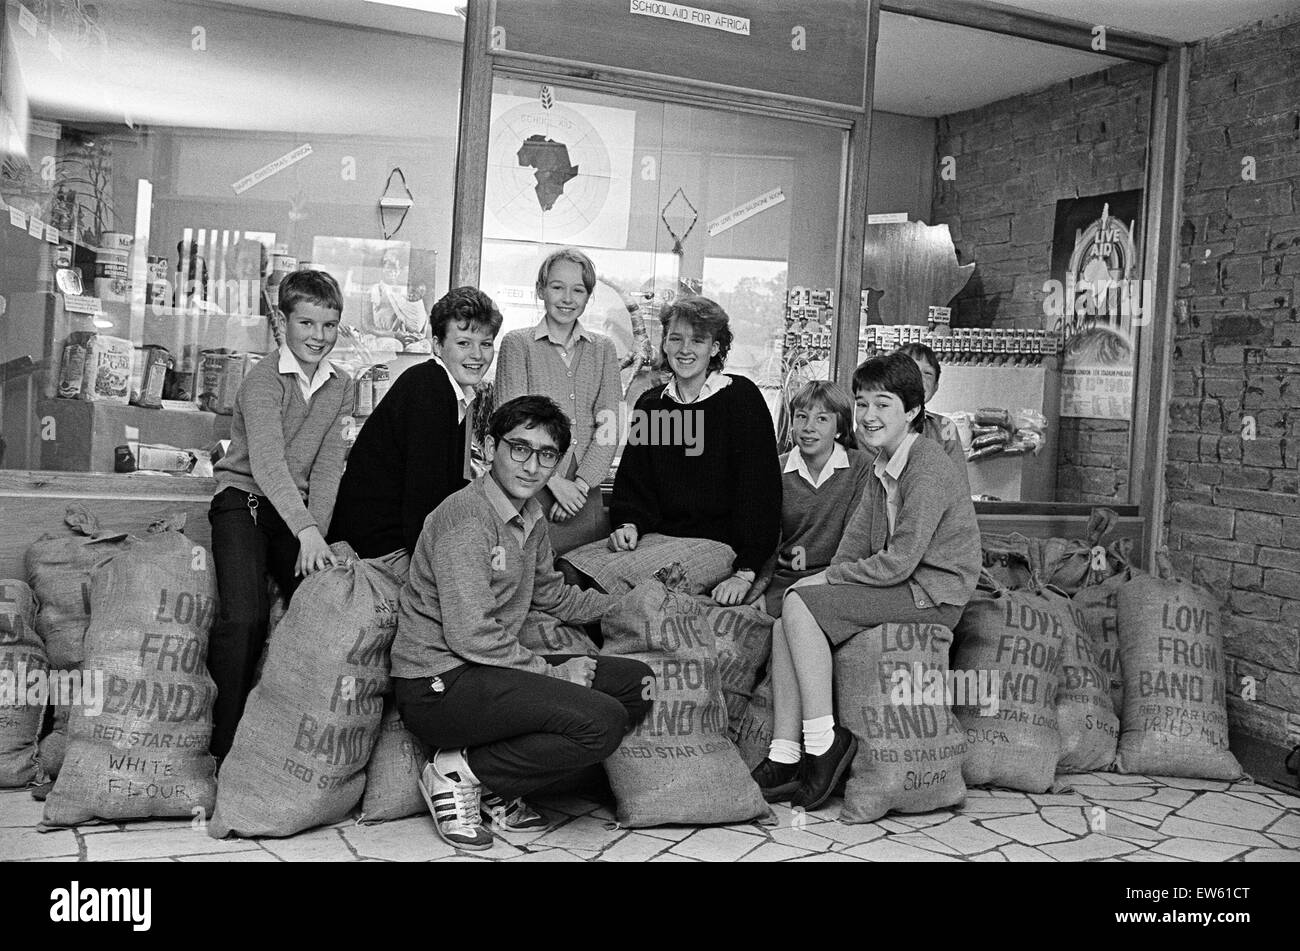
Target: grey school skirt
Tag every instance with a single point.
(843, 610)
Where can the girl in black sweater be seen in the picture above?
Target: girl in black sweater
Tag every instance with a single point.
(701, 460)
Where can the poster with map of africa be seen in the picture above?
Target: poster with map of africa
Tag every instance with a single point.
(559, 173)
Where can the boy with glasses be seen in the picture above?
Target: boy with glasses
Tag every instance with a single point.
(500, 720)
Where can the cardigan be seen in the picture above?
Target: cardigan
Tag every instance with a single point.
(472, 584)
(589, 391)
(706, 469)
(286, 448)
(935, 545)
(408, 457)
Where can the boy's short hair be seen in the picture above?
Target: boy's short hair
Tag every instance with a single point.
(531, 411)
(314, 287)
(573, 256)
(463, 305)
(832, 398)
(895, 373)
(703, 315)
(919, 351)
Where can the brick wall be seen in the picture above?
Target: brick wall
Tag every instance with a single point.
(1014, 159)
(1233, 516)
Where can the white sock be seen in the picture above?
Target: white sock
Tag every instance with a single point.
(818, 735)
(785, 751)
(454, 764)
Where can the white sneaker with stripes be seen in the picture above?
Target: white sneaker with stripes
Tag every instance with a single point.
(456, 808)
(513, 816)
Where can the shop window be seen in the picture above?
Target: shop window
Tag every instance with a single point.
(165, 165)
(1006, 188)
(667, 199)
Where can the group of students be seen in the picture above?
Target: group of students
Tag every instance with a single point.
(859, 536)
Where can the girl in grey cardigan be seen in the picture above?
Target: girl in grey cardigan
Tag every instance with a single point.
(577, 368)
(910, 553)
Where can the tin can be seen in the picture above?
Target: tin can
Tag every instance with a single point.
(116, 240)
(63, 255)
(381, 380)
(180, 378)
(73, 363)
(212, 368)
(365, 393)
(231, 378)
(156, 360)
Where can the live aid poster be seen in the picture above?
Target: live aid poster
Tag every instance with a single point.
(1098, 300)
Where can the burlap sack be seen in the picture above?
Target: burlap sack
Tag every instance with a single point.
(1016, 561)
(53, 746)
(544, 633)
(752, 734)
(146, 753)
(1085, 717)
(679, 765)
(1098, 605)
(1175, 722)
(23, 684)
(310, 724)
(893, 691)
(704, 562)
(58, 569)
(1013, 636)
(743, 635)
(393, 772)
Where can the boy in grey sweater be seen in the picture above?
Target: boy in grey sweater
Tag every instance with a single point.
(499, 720)
(276, 486)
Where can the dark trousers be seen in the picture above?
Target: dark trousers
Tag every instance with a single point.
(523, 730)
(243, 551)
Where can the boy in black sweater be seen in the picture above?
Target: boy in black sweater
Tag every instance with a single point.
(412, 452)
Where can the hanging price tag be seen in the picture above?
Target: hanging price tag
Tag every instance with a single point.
(36, 228)
(18, 218)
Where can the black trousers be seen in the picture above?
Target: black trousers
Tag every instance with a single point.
(523, 730)
(243, 551)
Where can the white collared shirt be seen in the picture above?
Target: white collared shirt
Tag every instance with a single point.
(888, 473)
(543, 332)
(463, 400)
(520, 521)
(324, 370)
(795, 463)
(713, 383)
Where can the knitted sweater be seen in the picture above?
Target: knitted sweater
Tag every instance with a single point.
(286, 448)
(935, 545)
(408, 457)
(589, 391)
(723, 483)
(470, 587)
(813, 520)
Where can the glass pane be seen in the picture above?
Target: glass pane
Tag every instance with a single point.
(169, 164)
(667, 199)
(1017, 170)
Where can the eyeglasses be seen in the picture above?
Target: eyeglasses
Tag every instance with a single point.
(521, 452)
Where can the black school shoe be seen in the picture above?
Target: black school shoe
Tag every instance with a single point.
(822, 773)
(777, 781)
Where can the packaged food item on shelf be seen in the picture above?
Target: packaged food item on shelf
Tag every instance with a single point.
(72, 366)
(107, 372)
(222, 373)
(181, 375)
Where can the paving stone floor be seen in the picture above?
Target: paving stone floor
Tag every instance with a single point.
(1103, 817)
